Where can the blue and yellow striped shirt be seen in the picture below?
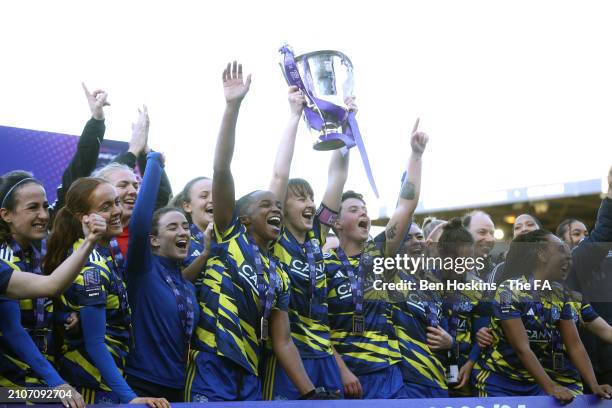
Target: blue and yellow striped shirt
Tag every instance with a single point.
(230, 309)
(308, 316)
(377, 347)
(98, 284)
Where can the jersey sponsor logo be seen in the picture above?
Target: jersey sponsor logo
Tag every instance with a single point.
(344, 290)
(247, 272)
(301, 268)
(539, 336)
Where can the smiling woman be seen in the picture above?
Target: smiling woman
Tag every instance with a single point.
(164, 303)
(93, 358)
(26, 338)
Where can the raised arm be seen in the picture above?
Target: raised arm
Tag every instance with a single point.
(138, 142)
(602, 232)
(589, 253)
(26, 285)
(235, 89)
(164, 191)
(142, 216)
(337, 174)
(86, 156)
(284, 154)
(409, 194)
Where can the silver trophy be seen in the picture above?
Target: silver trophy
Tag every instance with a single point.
(327, 79)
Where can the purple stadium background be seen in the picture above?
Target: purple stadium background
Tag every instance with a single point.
(46, 154)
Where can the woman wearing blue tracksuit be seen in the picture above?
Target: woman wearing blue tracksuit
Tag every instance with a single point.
(164, 305)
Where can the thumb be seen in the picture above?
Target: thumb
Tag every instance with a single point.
(248, 81)
(85, 219)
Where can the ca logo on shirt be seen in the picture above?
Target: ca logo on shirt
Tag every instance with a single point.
(247, 273)
(539, 336)
(301, 268)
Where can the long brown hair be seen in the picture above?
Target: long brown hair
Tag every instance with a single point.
(67, 228)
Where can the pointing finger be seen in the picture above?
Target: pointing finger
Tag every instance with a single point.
(416, 125)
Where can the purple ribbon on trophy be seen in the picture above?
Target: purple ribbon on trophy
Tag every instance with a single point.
(336, 125)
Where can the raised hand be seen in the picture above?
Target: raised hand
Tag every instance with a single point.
(140, 133)
(94, 227)
(297, 100)
(97, 100)
(350, 104)
(208, 237)
(418, 140)
(234, 86)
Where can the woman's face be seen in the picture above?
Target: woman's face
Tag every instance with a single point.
(353, 223)
(299, 211)
(523, 224)
(106, 203)
(200, 204)
(574, 233)
(172, 239)
(126, 187)
(30, 217)
(557, 259)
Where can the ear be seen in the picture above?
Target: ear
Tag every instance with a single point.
(6, 215)
(154, 241)
(245, 220)
(187, 207)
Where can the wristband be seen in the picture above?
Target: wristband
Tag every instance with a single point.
(326, 216)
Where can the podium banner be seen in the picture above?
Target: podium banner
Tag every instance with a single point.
(46, 154)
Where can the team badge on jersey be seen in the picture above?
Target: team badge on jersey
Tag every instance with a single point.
(555, 313)
(316, 249)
